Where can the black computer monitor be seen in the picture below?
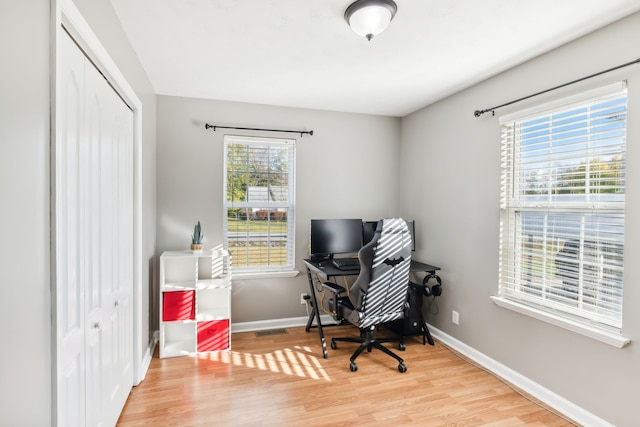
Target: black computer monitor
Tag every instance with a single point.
(369, 229)
(412, 230)
(335, 236)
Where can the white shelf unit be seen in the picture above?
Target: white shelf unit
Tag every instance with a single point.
(195, 302)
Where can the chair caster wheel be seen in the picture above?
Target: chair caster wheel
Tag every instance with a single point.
(333, 345)
(402, 347)
(354, 367)
(402, 368)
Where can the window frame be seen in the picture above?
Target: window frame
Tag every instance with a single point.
(257, 207)
(513, 204)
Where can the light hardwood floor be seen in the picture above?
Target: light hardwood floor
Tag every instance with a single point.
(283, 380)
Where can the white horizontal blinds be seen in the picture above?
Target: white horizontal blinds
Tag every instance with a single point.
(259, 202)
(562, 207)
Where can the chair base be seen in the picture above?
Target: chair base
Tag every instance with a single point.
(368, 341)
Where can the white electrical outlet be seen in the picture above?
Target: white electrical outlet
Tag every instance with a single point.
(302, 300)
(455, 317)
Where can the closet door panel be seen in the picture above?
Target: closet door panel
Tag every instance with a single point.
(97, 330)
(116, 249)
(70, 293)
(123, 304)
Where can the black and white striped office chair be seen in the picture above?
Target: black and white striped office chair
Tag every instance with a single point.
(379, 294)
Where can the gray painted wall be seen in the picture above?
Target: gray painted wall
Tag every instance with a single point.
(450, 182)
(355, 149)
(25, 312)
(25, 308)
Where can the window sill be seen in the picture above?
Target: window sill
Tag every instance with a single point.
(603, 336)
(265, 274)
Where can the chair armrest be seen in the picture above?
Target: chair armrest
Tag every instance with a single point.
(332, 287)
(334, 299)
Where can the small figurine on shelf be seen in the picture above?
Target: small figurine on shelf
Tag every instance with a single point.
(196, 239)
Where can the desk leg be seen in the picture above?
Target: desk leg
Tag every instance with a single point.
(315, 312)
(426, 334)
(312, 315)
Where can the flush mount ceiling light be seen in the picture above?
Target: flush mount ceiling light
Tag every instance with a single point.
(370, 17)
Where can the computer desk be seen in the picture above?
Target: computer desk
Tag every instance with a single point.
(326, 270)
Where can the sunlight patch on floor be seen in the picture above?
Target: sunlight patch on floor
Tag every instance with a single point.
(297, 361)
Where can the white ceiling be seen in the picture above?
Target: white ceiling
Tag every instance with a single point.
(301, 53)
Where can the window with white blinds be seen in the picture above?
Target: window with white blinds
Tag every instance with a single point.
(259, 203)
(562, 206)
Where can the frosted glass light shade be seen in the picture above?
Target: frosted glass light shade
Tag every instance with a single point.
(370, 17)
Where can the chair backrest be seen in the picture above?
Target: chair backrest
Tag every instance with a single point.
(379, 293)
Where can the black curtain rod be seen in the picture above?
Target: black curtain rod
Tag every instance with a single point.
(478, 113)
(301, 132)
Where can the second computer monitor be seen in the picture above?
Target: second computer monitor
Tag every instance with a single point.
(369, 229)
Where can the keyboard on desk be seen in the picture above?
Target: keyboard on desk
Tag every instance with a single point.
(346, 263)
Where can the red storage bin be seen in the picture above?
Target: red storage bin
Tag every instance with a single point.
(213, 335)
(179, 305)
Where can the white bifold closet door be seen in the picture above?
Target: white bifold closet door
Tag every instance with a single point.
(93, 199)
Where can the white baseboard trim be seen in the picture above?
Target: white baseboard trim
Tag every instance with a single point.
(290, 322)
(148, 354)
(562, 405)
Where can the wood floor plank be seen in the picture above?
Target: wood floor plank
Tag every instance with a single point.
(283, 380)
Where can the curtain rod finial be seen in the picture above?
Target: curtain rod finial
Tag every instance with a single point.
(478, 113)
